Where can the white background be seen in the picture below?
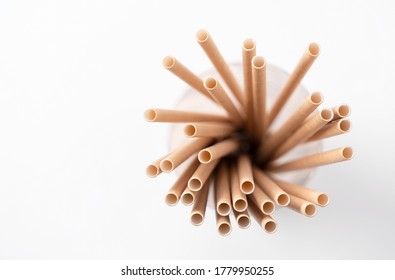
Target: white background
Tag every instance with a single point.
(76, 76)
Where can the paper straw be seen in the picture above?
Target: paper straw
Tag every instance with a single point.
(207, 43)
(153, 169)
(293, 81)
(223, 225)
(188, 197)
(244, 171)
(222, 191)
(212, 130)
(341, 111)
(270, 187)
(265, 221)
(222, 98)
(311, 195)
(182, 72)
(249, 52)
(173, 195)
(332, 129)
(259, 96)
(239, 199)
(302, 206)
(201, 175)
(308, 128)
(328, 157)
(163, 115)
(293, 123)
(218, 150)
(242, 218)
(199, 207)
(262, 200)
(178, 156)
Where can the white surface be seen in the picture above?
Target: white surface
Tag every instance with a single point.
(76, 76)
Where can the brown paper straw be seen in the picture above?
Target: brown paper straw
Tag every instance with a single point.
(182, 72)
(222, 98)
(153, 169)
(270, 187)
(332, 129)
(242, 218)
(218, 150)
(293, 123)
(239, 199)
(259, 96)
(297, 75)
(175, 158)
(163, 115)
(249, 52)
(262, 200)
(207, 43)
(341, 111)
(222, 191)
(308, 128)
(188, 197)
(244, 171)
(328, 157)
(302, 206)
(223, 225)
(201, 175)
(265, 221)
(311, 195)
(173, 195)
(199, 207)
(209, 129)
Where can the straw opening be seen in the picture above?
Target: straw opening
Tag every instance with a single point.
(316, 98)
(343, 110)
(166, 165)
(310, 210)
(202, 35)
(268, 207)
(223, 209)
(150, 115)
(247, 187)
(204, 156)
(283, 199)
(187, 199)
(171, 199)
(194, 184)
(152, 170)
(323, 200)
(168, 62)
(244, 222)
(270, 227)
(190, 130)
(345, 125)
(224, 229)
(240, 205)
(347, 152)
(258, 62)
(314, 49)
(196, 219)
(249, 44)
(210, 83)
(326, 114)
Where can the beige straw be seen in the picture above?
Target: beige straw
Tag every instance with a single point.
(311, 195)
(201, 175)
(178, 156)
(293, 123)
(209, 129)
(297, 75)
(328, 157)
(246, 178)
(199, 207)
(308, 128)
(222, 191)
(222, 98)
(163, 115)
(270, 187)
(332, 129)
(188, 197)
(239, 199)
(242, 218)
(218, 150)
(182, 72)
(262, 200)
(302, 206)
(223, 225)
(173, 195)
(265, 221)
(153, 169)
(341, 111)
(259, 96)
(249, 52)
(207, 43)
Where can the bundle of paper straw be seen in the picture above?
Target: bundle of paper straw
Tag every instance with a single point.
(236, 154)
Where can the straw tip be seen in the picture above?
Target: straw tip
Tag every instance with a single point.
(150, 115)
(327, 114)
(249, 44)
(197, 219)
(314, 49)
(168, 62)
(310, 210)
(347, 153)
(202, 35)
(166, 165)
(270, 227)
(152, 171)
(258, 62)
(323, 199)
(204, 156)
(210, 83)
(171, 199)
(224, 229)
(316, 98)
